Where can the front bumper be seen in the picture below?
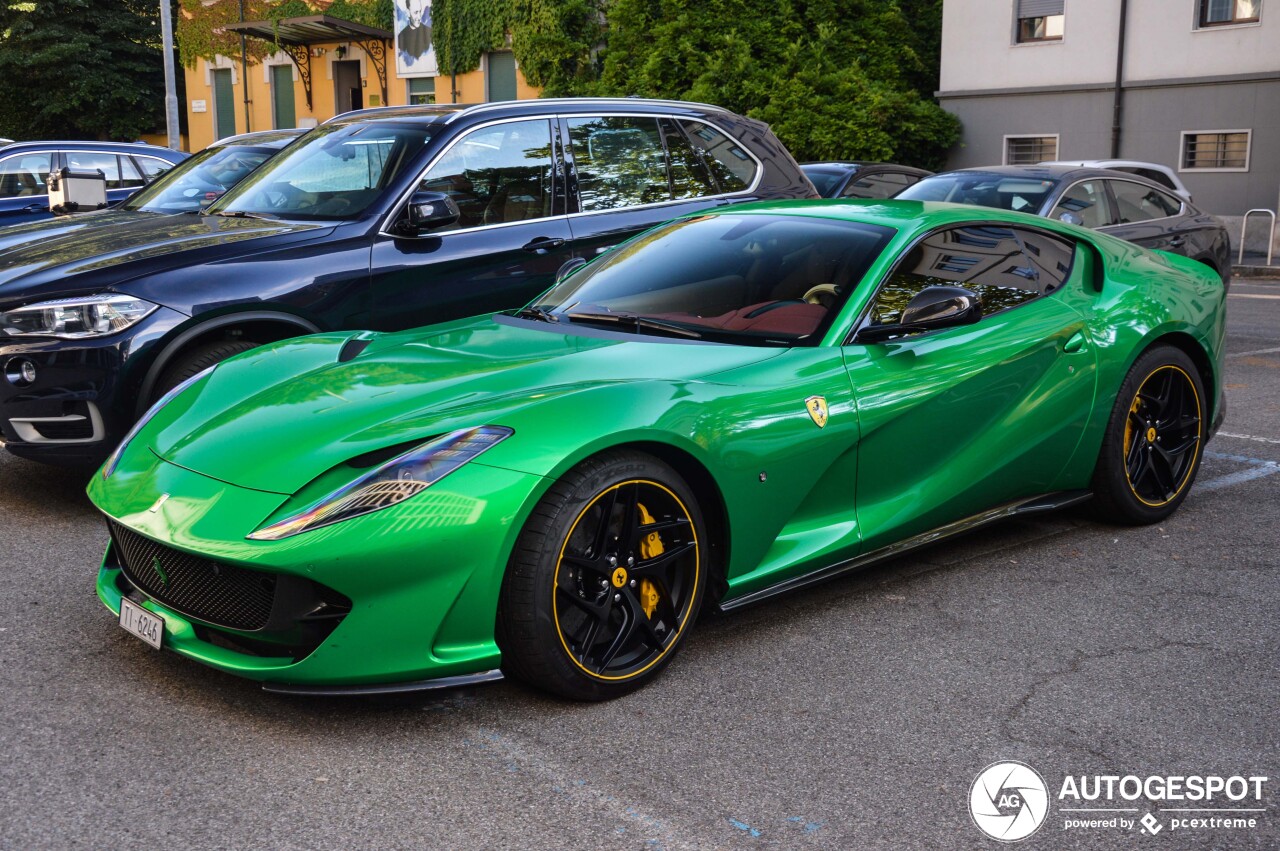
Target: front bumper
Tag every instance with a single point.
(422, 578)
(84, 396)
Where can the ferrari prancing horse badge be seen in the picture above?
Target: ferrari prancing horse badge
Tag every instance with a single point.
(817, 408)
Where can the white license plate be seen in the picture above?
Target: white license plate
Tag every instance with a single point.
(138, 621)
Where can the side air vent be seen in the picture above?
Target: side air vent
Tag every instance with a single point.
(351, 348)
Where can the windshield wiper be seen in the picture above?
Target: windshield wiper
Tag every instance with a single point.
(533, 311)
(241, 214)
(640, 322)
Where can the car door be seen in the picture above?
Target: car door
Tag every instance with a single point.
(505, 249)
(958, 421)
(24, 195)
(629, 173)
(1148, 216)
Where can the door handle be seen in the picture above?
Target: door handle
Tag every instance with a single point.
(35, 208)
(1075, 343)
(543, 243)
(1177, 242)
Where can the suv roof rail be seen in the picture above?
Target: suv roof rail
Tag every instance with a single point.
(456, 111)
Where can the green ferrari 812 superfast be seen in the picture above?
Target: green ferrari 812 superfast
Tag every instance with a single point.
(724, 408)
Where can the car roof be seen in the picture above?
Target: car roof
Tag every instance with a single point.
(260, 138)
(139, 148)
(1111, 164)
(450, 113)
(1056, 172)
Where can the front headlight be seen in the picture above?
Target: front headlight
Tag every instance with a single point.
(390, 484)
(75, 318)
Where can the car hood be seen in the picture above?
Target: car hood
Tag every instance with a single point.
(12, 236)
(276, 418)
(47, 266)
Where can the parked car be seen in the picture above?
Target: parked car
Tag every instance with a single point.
(1162, 174)
(389, 218)
(193, 183)
(861, 179)
(1122, 205)
(731, 406)
(25, 167)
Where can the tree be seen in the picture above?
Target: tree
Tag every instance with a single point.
(88, 69)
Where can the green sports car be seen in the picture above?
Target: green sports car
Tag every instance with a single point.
(724, 408)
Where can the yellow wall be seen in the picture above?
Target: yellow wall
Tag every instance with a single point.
(471, 89)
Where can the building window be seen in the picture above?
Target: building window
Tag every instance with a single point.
(1215, 150)
(1039, 20)
(1218, 13)
(1029, 150)
(422, 90)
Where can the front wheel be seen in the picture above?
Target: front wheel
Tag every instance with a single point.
(1154, 439)
(606, 579)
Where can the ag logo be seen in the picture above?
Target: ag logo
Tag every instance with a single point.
(1008, 801)
(817, 408)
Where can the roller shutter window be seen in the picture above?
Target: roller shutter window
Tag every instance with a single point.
(1218, 13)
(1039, 20)
(224, 104)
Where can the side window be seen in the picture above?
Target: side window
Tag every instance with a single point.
(497, 174)
(690, 177)
(987, 260)
(1088, 200)
(883, 184)
(152, 167)
(731, 166)
(131, 178)
(22, 175)
(619, 162)
(96, 161)
(1138, 203)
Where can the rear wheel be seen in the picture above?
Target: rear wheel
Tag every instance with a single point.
(1151, 451)
(606, 579)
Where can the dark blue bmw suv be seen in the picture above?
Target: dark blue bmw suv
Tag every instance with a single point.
(386, 219)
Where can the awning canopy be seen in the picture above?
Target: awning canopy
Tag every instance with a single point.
(295, 36)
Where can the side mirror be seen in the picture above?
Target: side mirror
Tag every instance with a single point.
(570, 266)
(1071, 219)
(930, 309)
(428, 211)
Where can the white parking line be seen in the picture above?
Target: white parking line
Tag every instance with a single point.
(1254, 438)
(1255, 352)
(1260, 469)
(1251, 295)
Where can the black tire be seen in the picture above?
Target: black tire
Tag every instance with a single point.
(197, 360)
(572, 618)
(1152, 447)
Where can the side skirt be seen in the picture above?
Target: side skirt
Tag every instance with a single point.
(384, 688)
(1032, 505)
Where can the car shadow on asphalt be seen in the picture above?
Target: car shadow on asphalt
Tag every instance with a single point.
(43, 486)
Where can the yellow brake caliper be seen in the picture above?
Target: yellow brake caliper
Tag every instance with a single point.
(1128, 425)
(650, 547)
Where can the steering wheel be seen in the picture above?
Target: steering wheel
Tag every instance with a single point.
(822, 294)
(279, 194)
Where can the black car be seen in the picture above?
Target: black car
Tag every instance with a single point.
(1121, 204)
(860, 179)
(387, 218)
(193, 183)
(25, 166)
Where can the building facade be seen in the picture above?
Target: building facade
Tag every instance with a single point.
(329, 66)
(1192, 84)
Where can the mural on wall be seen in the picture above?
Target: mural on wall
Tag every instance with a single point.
(415, 57)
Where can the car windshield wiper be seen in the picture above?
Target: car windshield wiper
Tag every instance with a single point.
(640, 323)
(242, 214)
(533, 311)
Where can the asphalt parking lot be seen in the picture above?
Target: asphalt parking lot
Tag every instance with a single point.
(852, 715)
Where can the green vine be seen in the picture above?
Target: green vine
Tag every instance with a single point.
(200, 34)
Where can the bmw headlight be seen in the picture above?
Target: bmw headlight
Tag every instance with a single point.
(75, 318)
(391, 483)
(114, 458)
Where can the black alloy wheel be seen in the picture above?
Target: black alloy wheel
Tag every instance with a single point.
(606, 580)
(1154, 440)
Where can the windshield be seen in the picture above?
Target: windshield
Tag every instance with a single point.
(754, 279)
(985, 189)
(334, 172)
(824, 178)
(198, 180)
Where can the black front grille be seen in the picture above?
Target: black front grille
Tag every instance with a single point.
(211, 591)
